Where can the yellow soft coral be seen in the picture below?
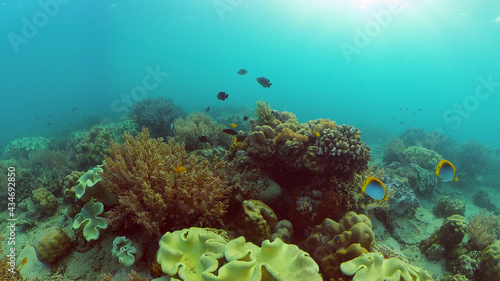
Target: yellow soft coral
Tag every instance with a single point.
(373, 267)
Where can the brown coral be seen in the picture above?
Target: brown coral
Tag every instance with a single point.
(332, 243)
(156, 197)
(199, 124)
(51, 245)
(483, 229)
(258, 221)
(46, 200)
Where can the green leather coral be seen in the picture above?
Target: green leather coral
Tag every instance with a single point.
(196, 254)
(126, 251)
(88, 218)
(373, 267)
(273, 261)
(88, 186)
(189, 252)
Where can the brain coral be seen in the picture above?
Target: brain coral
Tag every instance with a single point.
(51, 245)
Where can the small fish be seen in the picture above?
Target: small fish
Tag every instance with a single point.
(402, 123)
(37, 118)
(400, 108)
(420, 109)
(207, 109)
(264, 82)
(203, 139)
(242, 71)
(317, 134)
(222, 96)
(356, 136)
(74, 108)
(23, 262)
(230, 132)
(393, 118)
(49, 124)
(180, 169)
(414, 113)
(446, 171)
(406, 108)
(375, 189)
(245, 118)
(235, 140)
(233, 125)
(49, 115)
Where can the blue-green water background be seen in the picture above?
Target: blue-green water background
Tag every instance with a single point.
(430, 56)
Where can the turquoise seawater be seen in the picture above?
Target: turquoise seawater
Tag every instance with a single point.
(372, 64)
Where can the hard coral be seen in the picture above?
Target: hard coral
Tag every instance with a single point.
(489, 262)
(47, 202)
(446, 207)
(332, 243)
(257, 221)
(342, 152)
(51, 245)
(91, 146)
(199, 124)
(157, 115)
(156, 198)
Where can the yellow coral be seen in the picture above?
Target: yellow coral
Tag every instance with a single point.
(152, 195)
(258, 221)
(373, 267)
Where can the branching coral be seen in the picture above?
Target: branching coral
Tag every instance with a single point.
(199, 124)
(157, 115)
(474, 158)
(264, 114)
(342, 151)
(153, 196)
(483, 229)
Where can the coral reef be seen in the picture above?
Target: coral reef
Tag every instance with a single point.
(483, 229)
(449, 235)
(46, 201)
(153, 196)
(51, 245)
(23, 148)
(157, 115)
(257, 221)
(127, 251)
(199, 124)
(446, 207)
(489, 262)
(88, 218)
(373, 267)
(193, 254)
(332, 243)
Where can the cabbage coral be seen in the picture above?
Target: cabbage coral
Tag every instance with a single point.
(157, 196)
